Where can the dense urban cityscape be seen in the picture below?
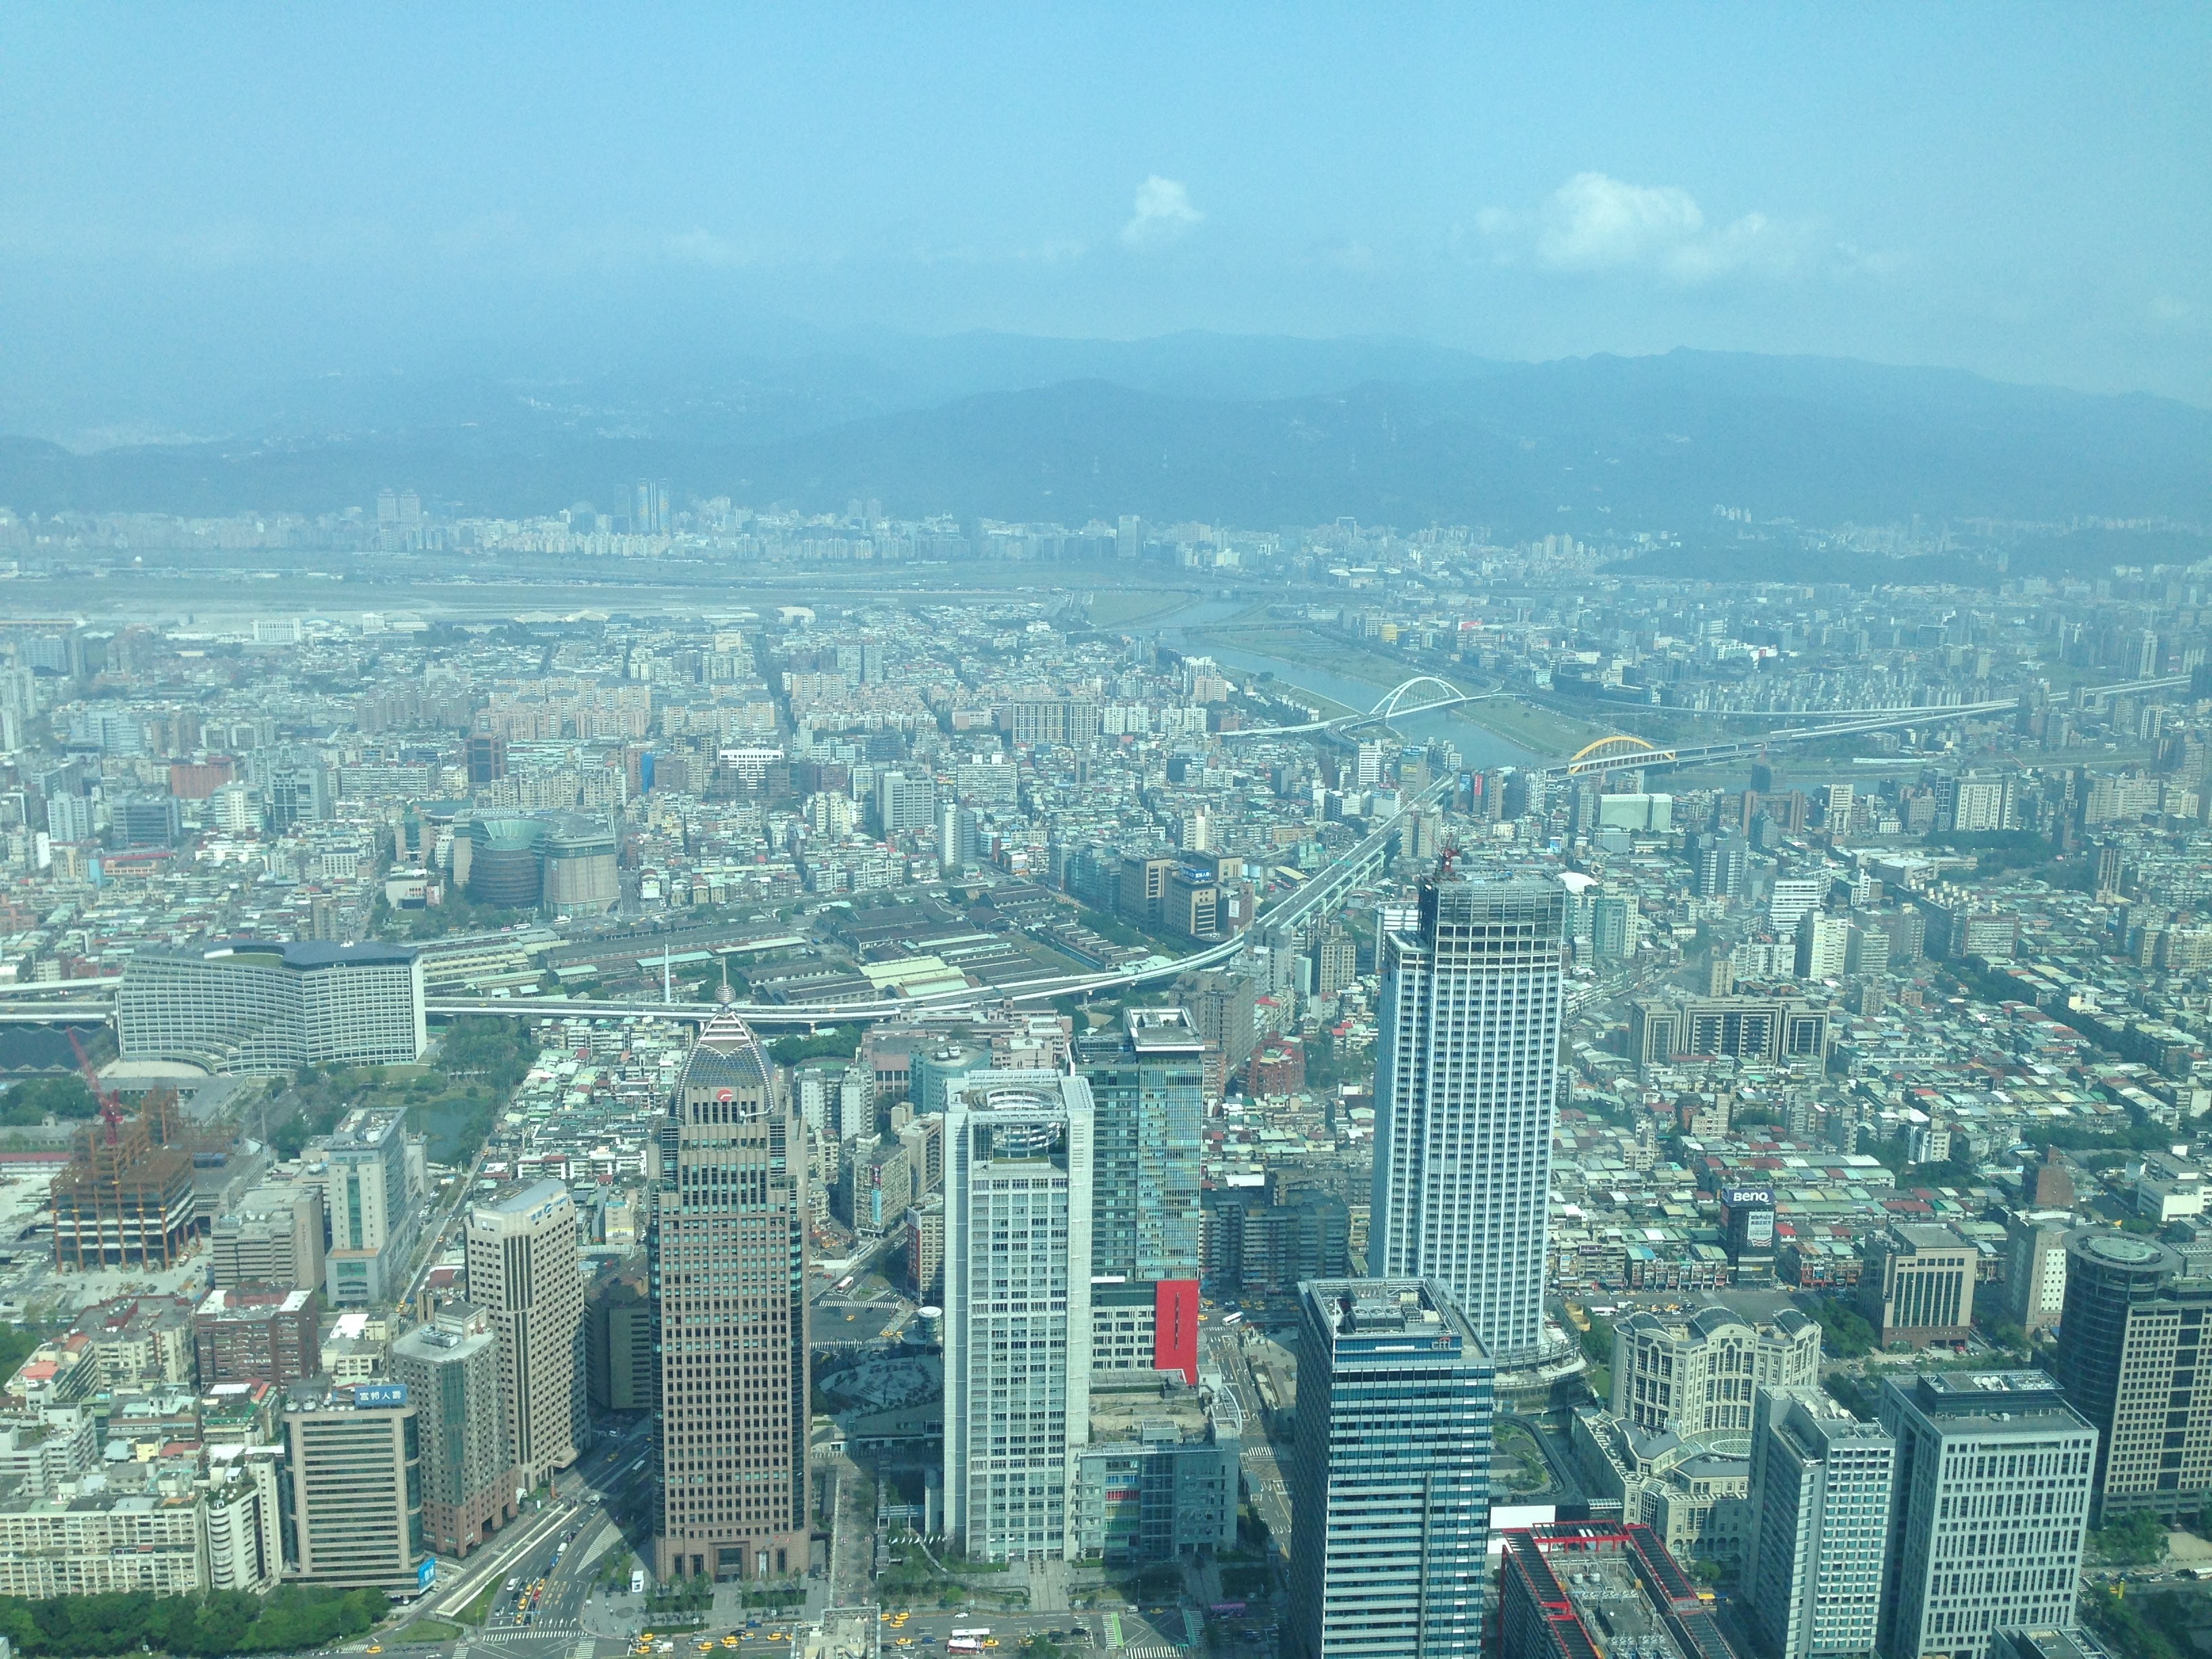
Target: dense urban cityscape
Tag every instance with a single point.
(1157, 832)
(1325, 1091)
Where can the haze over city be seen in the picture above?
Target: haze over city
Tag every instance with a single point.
(1314, 834)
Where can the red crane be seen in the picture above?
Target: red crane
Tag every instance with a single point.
(111, 1106)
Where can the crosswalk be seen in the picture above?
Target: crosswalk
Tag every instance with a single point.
(531, 1632)
(1159, 1651)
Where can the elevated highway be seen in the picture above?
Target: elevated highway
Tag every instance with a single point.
(87, 1000)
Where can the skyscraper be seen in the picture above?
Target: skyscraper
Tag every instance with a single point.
(1018, 1182)
(729, 1274)
(1466, 1070)
(1390, 1487)
(525, 1273)
(1990, 1506)
(373, 1206)
(2128, 1351)
(1821, 1501)
(1148, 1105)
(451, 1368)
(353, 1455)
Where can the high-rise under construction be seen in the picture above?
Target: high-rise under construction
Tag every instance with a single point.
(125, 1199)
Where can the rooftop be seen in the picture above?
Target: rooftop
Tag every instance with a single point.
(1389, 1315)
(305, 954)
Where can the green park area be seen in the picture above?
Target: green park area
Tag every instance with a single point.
(453, 1101)
(291, 1619)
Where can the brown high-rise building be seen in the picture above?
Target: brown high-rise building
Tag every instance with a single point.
(257, 1334)
(729, 1250)
(2054, 1188)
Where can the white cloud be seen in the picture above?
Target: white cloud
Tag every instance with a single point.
(1595, 223)
(1164, 213)
(700, 246)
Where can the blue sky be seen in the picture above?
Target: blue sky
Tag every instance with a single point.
(218, 195)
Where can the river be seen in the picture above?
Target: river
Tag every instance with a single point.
(1479, 748)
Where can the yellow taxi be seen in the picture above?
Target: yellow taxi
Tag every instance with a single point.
(906, 1641)
(730, 1641)
(990, 1641)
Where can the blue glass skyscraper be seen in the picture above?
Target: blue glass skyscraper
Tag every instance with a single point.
(1148, 1105)
(1390, 1488)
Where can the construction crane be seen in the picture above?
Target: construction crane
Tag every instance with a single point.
(110, 1105)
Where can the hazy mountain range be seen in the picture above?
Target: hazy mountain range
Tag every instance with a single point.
(1244, 430)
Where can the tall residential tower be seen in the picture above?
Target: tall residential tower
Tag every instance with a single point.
(1466, 1064)
(1017, 1187)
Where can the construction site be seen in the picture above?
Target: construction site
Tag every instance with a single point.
(126, 1198)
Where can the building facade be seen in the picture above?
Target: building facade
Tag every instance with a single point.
(1148, 1107)
(2128, 1352)
(272, 1008)
(275, 1236)
(1697, 1375)
(1017, 1311)
(1918, 1285)
(1159, 1480)
(1466, 1073)
(2035, 1266)
(525, 1273)
(354, 1459)
(1820, 1502)
(580, 874)
(369, 1189)
(256, 1336)
(621, 1373)
(1390, 1490)
(1991, 1506)
(451, 1369)
(728, 1259)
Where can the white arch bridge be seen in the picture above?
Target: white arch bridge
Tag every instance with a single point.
(91, 1000)
(1418, 695)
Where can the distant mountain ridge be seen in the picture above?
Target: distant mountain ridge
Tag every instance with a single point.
(1587, 446)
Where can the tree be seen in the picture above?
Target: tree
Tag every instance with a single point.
(30, 1102)
(2137, 1542)
(1844, 1335)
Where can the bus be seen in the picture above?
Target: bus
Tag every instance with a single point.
(976, 1632)
(963, 1644)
